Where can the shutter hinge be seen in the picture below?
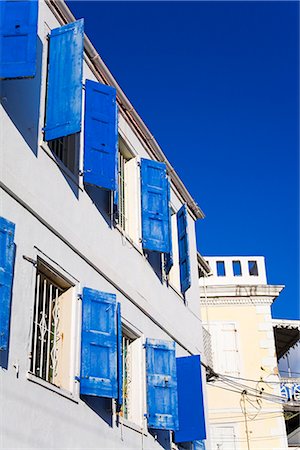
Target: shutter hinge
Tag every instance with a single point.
(76, 378)
(81, 173)
(32, 261)
(79, 296)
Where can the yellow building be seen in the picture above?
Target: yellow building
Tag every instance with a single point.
(244, 401)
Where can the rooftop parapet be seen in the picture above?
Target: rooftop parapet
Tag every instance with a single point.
(235, 270)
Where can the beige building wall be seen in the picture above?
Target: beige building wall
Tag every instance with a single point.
(238, 318)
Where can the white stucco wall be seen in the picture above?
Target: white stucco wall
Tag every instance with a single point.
(58, 221)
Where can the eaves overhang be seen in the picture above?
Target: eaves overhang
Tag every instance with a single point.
(102, 73)
(287, 335)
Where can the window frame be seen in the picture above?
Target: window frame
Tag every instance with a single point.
(133, 232)
(73, 392)
(140, 361)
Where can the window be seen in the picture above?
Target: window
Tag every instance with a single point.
(66, 148)
(128, 203)
(253, 270)
(237, 270)
(223, 437)
(225, 348)
(63, 108)
(123, 157)
(133, 376)
(51, 337)
(221, 269)
(174, 274)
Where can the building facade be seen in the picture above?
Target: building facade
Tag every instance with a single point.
(98, 263)
(244, 399)
(287, 339)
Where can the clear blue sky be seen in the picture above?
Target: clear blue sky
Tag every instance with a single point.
(217, 85)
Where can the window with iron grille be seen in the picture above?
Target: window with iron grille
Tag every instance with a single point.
(127, 379)
(66, 149)
(122, 190)
(133, 377)
(126, 187)
(51, 337)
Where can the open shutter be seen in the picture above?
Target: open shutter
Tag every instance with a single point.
(183, 246)
(168, 258)
(190, 400)
(100, 135)
(18, 38)
(98, 344)
(7, 256)
(64, 89)
(120, 365)
(155, 207)
(161, 385)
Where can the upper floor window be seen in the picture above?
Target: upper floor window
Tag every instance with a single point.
(225, 348)
(63, 109)
(66, 148)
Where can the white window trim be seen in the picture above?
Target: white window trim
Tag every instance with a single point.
(51, 387)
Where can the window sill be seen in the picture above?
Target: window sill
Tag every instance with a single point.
(52, 387)
(133, 426)
(60, 165)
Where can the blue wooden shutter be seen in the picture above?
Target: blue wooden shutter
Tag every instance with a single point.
(120, 359)
(98, 344)
(64, 89)
(199, 445)
(18, 38)
(183, 248)
(168, 258)
(190, 400)
(155, 208)
(161, 385)
(7, 257)
(100, 135)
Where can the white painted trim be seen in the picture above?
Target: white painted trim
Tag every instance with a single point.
(52, 387)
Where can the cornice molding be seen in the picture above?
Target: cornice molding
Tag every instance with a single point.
(253, 291)
(225, 301)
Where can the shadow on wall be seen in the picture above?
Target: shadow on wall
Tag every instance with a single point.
(101, 406)
(101, 198)
(155, 261)
(162, 437)
(21, 100)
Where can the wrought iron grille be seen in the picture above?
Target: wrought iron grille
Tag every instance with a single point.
(66, 149)
(121, 193)
(45, 338)
(127, 379)
(207, 347)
